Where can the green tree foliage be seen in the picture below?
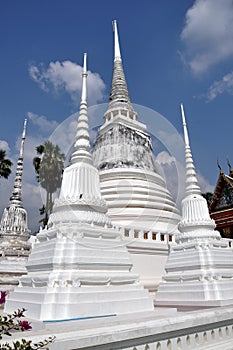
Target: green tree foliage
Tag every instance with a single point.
(49, 166)
(5, 165)
(208, 196)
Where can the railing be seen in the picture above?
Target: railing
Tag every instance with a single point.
(192, 341)
(203, 337)
(229, 241)
(144, 235)
(202, 330)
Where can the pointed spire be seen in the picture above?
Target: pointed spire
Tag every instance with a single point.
(119, 95)
(117, 52)
(192, 186)
(230, 168)
(16, 198)
(80, 197)
(195, 213)
(82, 143)
(219, 166)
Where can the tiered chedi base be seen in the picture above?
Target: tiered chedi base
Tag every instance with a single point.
(14, 246)
(138, 199)
(14, 254)
(199, 273)
(12, 267)
(136, 195)
(79, 270)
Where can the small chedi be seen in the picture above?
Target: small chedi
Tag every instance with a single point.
(199, 269)
(14, 232)
(135, 193)
(79, 266)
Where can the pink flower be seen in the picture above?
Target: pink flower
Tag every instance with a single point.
(19, 313)
(25, 326)
(3, 297)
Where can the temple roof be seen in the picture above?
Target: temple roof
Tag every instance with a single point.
(223, 193)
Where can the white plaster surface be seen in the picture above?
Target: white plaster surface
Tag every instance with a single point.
(205, 329)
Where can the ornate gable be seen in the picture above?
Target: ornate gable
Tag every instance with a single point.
(223, 194)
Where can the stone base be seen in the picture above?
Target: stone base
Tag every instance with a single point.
(77, 271)
(11, 269)
(189, 296)
(64, 303)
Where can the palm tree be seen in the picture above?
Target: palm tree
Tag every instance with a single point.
(49, 168)
(5, 165)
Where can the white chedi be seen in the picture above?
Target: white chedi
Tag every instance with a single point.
(135, 193)
(14, 233)
(79, 266)
(199, 269)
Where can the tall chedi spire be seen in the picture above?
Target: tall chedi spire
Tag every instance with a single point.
(195, 213)
(192, 186)
(80, 184)
(119, 95)
(16, 197)
(135, 193)
(197, 274)
(14, 232)
(82, 143)
(79, 265)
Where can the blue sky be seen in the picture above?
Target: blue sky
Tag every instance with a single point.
(173, 51)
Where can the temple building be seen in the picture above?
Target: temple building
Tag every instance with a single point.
(14, 232)
(221, 206)
(135, 193)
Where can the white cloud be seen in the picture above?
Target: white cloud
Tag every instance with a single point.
(207, 34)
(173, 173)
(42, 122)
(32, 202)
(204, 184)
(4, 145)
(165, 158)
(66, 77)
(221, 86)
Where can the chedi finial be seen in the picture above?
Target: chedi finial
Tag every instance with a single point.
(117, 52)
(16, 197)
(82, 143)
(192, 186)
